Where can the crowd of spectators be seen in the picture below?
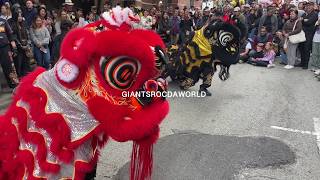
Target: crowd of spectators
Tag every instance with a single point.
(33, 32)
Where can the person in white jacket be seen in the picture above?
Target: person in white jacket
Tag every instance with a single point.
(146, 21)
(81, 20)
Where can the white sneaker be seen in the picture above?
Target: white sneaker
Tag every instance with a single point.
(317, 72)
(271, 66)
(288, 67)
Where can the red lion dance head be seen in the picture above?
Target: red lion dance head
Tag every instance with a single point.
(59, 119)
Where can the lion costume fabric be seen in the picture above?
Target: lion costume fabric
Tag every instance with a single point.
(60, 119)
(215, 44)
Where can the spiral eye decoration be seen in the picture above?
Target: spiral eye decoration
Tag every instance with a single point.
(225, 37)
(119, 72)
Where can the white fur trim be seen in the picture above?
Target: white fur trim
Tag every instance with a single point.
(66, 71)
(118, 16)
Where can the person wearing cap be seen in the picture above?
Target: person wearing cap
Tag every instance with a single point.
(204, 19)
(239, 15)
(270, 21)
(68, 3)
(309, 20)
(246, 10)
(68, 7)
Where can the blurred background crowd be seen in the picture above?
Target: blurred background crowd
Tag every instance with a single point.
(31, 32)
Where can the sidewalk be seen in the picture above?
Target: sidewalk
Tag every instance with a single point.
(5, 97)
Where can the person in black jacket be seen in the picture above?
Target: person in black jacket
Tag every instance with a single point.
(20, 34)
(309, 20)
(205, 18)
(5, 40)
(185, 27)
(163, 28)
(65, 27)
(30, 13)
(251, 19)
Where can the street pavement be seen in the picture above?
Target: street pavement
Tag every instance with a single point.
(258, 125)
(5, 99)
(5, 96)
(261, 124)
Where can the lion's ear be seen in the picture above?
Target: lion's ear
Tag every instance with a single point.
(78, 46)
(77, 50)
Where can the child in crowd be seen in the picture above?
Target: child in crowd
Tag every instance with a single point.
(244, 51)
(267, 59)
(279, 40)
(258, 53)
(90, 18)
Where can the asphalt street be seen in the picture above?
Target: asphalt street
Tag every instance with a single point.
(261, 124)
(230, 135)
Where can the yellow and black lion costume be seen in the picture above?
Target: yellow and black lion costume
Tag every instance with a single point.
(217, 43)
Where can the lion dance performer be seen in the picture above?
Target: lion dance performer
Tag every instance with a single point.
(217, 43)
(60, 119)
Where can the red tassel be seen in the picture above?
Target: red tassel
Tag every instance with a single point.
(142, 157)
(141, 161)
